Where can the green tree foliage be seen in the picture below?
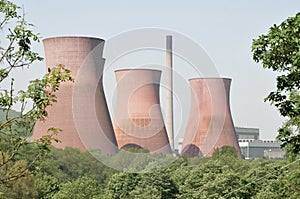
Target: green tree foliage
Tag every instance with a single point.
(22, 188)
(156, 185)
(222, 176)
(70, 173)
(279, 51)
(15, 129)
(289, 132)
(69, 164)
(214, 180)
(274, 179)
(61, 170)
(121, 184)
(225, 152)
(83, 187)
(136, 160)
(45, 185)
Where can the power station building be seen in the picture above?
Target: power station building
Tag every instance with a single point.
(81, 110)
(252, 147)
(247, 133)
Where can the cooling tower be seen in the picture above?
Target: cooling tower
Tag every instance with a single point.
(210, 124)
(74, 53)
(138, 118)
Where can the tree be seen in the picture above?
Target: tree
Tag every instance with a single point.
(289, 132)
(142, 185)
(69, 164)
(121, 184)
(83, 187)
(225, 152)
(214, 180)
(279, 50)
(45, 185)
(157, 185)
(16, 129)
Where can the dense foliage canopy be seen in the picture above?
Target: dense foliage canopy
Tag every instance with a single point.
(279, 50)
(70, 173)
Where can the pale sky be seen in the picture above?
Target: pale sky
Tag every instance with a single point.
(224, 29)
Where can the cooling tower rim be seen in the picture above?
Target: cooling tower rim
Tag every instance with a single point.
(210, 78)
(72, 37)
(135, 69)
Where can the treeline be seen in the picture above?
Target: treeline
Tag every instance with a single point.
(72, 174)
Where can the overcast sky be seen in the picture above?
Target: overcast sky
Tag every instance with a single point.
(224, 29)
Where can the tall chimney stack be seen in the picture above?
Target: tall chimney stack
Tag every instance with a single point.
(169, 94)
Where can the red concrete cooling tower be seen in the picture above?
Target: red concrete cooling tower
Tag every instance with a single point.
(138, 118)
(210, 124)
(76, 53)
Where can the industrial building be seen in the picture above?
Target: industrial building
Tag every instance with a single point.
(74, 53)
(210, 124)
(138, 119)
(81, 109)
(252, 147)
(247, 133)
